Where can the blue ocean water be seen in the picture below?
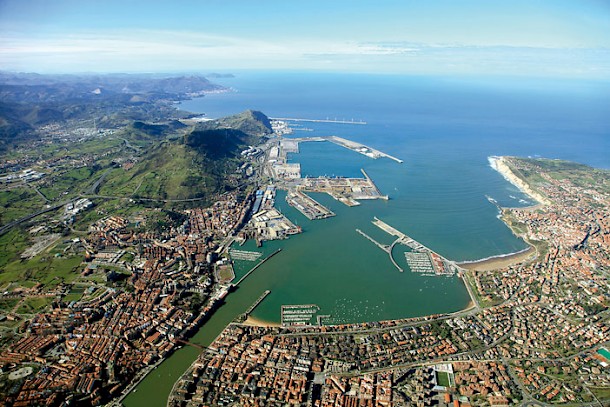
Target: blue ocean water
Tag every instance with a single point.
(444, 129)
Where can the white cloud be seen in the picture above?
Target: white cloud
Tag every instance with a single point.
(150, 51)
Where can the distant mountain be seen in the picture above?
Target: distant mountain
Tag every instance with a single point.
(227, 136)
(12, 124)
(30, 100)
(20, 88)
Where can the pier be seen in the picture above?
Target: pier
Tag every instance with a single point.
(337, 121)
(258, 301)
(257, 266)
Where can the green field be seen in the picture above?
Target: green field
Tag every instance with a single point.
(33, 305)
(442, 379)
(75, 294)
(18, 202)
(45, 269)
(69, 183)
(580, 175)
(12, 244)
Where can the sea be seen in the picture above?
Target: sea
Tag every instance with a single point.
(444, 129)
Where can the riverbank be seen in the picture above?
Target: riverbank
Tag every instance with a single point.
(500, 164)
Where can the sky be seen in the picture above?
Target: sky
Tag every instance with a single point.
(519, 37)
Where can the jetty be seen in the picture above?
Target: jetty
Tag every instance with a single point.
(361, 148)
(257, 266)
(257, 302)
(403, 239)
(421, 260)
(385, 248)
(327, 120)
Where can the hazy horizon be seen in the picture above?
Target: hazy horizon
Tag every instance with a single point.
(549, 38)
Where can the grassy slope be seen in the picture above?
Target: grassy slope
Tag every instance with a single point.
(170, 171)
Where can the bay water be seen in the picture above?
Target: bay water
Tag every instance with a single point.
(444, 129)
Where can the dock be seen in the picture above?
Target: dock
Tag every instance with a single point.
(337, 121)
(308, 206)
(257, 266)
(258, 301)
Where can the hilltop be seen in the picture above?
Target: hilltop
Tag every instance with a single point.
(225, 137)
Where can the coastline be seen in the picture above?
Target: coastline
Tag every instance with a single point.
(499, 163)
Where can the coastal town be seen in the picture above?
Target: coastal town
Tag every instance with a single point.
(142, 282)
(539, 333)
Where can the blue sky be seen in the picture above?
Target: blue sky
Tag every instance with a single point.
(519, 37)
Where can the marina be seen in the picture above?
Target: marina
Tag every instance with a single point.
(421, 260)
(257, 266)
(298, 315)
(244, 255)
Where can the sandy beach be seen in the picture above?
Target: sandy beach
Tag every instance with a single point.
(499, 164)
(257, 322)
(500, 262)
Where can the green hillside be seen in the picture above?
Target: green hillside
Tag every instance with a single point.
(198, 166)
(171, 170)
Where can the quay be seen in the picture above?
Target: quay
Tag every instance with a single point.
(257, 266)
(257, 302)
(308, 206)
(289, 119)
